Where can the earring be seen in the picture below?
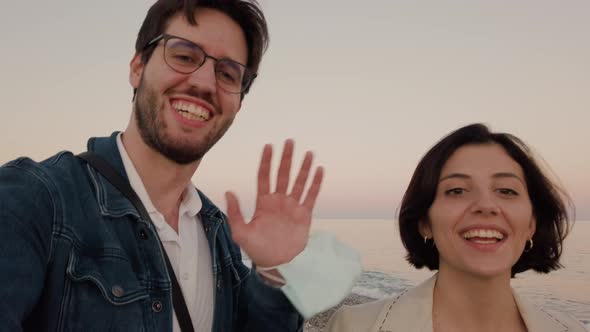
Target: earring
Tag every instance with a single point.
(530, 242)
(427, 240)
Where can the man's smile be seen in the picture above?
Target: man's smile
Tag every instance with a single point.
(191, 111)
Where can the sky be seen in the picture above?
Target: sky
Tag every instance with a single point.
(368, 86)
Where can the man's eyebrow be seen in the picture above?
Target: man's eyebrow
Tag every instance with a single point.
(191, 44)
(186, 42)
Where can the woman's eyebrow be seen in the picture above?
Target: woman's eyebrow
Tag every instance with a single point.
(507, 175)
(454, 175)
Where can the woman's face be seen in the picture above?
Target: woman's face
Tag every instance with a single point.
(481, 216)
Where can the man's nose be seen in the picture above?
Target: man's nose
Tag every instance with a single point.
(204, 78)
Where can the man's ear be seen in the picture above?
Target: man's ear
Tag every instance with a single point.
(424, 229)
(136, 67)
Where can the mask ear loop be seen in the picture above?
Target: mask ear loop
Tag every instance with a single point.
(263, 271)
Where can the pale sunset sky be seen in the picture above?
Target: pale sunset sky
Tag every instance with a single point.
(369, 86)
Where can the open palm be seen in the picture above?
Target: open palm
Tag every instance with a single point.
(280, 226)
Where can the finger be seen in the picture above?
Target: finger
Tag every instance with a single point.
(264, 171)
(314, 189)
(302, 177)
(285, 167)
(235, 219)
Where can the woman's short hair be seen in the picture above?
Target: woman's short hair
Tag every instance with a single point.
(547, 200)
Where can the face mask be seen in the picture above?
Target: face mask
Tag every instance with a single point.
(322, 275)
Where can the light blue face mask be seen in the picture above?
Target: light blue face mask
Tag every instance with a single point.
(322, 275)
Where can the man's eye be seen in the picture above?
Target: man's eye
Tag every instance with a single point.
(184, 58)
(227, 77)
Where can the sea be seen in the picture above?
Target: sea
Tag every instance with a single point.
(387, 273)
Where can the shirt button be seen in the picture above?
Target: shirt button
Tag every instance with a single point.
(143, 234)
(118, 291)
(157, 306)
(186, 276)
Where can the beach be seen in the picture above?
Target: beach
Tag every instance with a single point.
(386, 272)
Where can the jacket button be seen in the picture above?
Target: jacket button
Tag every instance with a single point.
(157, 306)
(143, 234)
(118, 291)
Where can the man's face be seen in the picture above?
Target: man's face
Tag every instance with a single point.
(183, 115)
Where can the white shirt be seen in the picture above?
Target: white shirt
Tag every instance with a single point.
(188, 250)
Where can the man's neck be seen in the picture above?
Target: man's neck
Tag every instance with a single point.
(463, 302)
(164, 180)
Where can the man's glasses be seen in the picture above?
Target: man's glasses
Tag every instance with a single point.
(186, 57)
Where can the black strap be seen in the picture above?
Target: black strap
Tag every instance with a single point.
(104, 168)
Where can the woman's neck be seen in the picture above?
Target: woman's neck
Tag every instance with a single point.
(465, 302)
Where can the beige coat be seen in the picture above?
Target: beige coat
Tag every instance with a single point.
(411, 311)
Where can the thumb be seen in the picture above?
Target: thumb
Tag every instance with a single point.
(235, 218)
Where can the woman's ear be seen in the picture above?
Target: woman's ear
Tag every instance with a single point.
(532, 227)
(424, 229)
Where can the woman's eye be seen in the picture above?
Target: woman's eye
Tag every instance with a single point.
(507, 191)
(455, 191)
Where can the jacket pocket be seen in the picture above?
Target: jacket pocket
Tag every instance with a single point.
(103, 293)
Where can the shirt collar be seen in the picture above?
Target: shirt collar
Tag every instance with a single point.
(191, 203)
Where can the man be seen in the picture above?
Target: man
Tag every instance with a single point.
(76, 255)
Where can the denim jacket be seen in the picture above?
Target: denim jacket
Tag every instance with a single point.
(76, 256)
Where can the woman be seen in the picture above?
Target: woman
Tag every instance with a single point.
(479, 210)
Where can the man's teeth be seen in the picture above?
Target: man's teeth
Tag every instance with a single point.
(485, 236)
(191, 111)
(191, 116)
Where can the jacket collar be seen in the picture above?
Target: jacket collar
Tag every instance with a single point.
(112, 202)
(412, 311)
(210, 213)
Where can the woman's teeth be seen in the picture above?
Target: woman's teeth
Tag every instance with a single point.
(483, 236)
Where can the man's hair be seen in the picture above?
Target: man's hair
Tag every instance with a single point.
(547, 201)
(246, 13)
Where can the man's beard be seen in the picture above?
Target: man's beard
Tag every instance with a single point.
(152, 129)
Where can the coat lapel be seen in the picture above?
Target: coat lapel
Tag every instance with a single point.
(409, 311)
(412, 311)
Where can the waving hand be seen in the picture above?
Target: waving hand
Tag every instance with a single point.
(280, 226)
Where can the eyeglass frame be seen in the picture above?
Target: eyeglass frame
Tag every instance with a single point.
(247, 71)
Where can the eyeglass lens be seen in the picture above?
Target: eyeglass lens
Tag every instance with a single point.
(186, 57)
